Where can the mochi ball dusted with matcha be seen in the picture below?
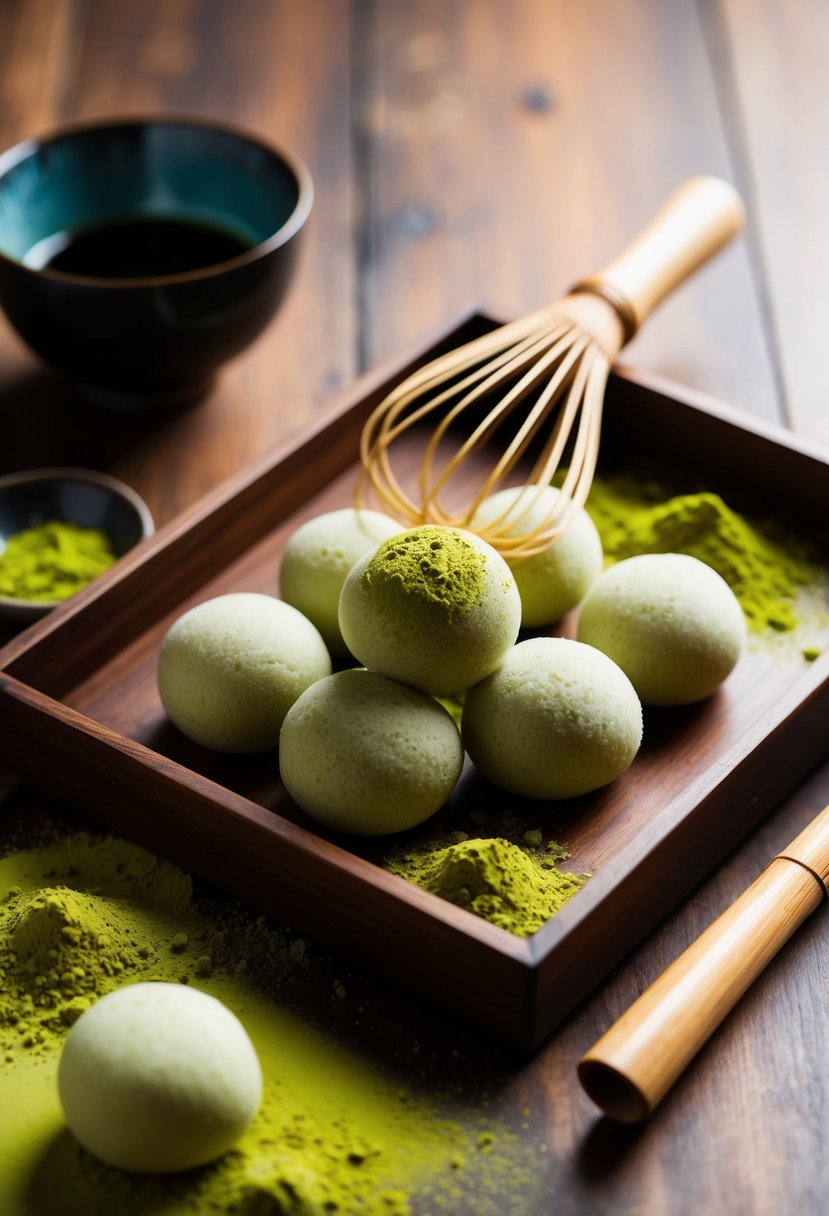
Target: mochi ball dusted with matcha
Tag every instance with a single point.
(553, 581)
(319, 556)
(557, 719)
(231, 668)
(672, 624)
(434, 607)
(368, 755)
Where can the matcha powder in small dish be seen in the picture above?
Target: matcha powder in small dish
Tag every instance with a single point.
(52, 561)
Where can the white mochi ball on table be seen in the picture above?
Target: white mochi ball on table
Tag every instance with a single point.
(556, 720)
(671, 623)
(158, 1077)
(553, 582)
(318, 557)
(367, 755)
(231, 668)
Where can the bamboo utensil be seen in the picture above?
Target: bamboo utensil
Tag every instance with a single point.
(557, 360)
(631, 1068)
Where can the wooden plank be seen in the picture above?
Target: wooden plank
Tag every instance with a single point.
(744, 1130)
(508, 150)
(286, 85)
(39, 47)
(779, 54)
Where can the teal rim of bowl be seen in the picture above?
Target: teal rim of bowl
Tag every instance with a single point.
(20, 152)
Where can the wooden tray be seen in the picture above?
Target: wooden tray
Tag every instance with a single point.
(81, 720)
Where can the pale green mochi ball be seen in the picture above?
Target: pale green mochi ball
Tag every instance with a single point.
(556, 720)
(156, 1078)
(670, 622)
(433, 607)
(364, 754)
(555, 581)
(319, 556)
(231, 668)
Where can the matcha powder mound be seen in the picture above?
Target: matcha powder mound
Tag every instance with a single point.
(433, 564)
(765, 572)
(53, 560)
(97, 917)
(509, 885)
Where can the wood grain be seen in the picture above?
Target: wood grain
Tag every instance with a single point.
(188, 57)
(472, 150)
(778, 53)
(503, 178)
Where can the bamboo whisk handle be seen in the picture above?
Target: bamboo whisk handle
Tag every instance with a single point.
(631, 1068)
(696, 221)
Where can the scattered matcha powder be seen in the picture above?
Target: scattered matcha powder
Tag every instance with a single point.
(434, 564)
(82, 916)
(52, 561)
(764, 573)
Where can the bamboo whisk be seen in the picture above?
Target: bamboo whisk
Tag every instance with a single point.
(555, 360)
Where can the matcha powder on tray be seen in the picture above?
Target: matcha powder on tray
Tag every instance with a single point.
(495, 879)
(85, 915)
(770, 574)
(494, 866)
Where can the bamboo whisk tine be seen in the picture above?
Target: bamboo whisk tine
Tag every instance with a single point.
(548, 369)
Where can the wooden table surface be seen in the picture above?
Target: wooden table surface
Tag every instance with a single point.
(490, 152)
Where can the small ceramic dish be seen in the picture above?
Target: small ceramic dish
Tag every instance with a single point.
(78, 496)
(139, 255)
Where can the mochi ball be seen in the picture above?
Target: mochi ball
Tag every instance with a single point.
(552, 582)
(670, 622)
(557, 719)
(434, 607)
(231, 668)
(158, 1077)
(317, 558)
(365, 754)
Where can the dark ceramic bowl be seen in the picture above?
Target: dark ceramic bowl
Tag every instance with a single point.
(138, 256)
(79, 496)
